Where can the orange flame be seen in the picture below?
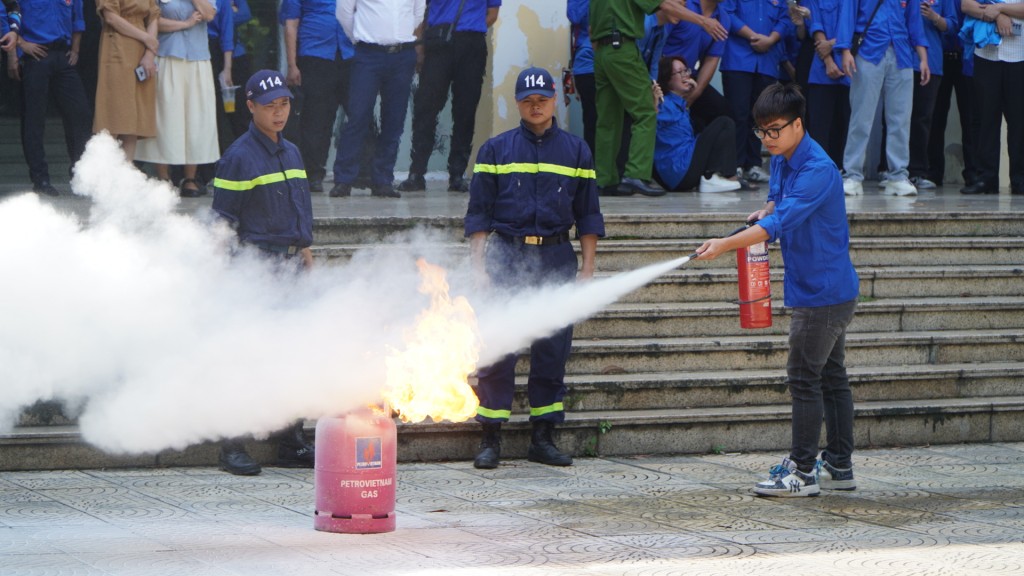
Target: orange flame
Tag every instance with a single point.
(430, 377)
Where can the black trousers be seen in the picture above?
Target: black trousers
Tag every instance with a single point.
(52, 75)
(921, 124)
(999, 88)
(828, 118)
(741, 91)
(714, 152)
(709, 106)
(953, 79)
(459, 67)
(587, 89)
(324, 88)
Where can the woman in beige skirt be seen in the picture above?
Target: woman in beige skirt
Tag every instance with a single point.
(186, 118)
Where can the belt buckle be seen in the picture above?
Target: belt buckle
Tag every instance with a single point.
(533, 240)
(292, 250)
(393, 48)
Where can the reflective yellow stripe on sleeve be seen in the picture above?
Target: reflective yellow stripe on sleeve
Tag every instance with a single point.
(496, 414)
(243, 185)
(527, 168)
(542, 410)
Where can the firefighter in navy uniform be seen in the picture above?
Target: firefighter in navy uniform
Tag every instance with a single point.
(530, 186)
(261, 190)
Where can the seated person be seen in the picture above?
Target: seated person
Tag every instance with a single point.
(682, 161)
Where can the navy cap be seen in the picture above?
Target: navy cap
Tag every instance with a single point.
(266, 86)
(534, 81)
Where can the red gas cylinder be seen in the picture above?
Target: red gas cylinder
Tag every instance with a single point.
(355, 473)
(755, 286)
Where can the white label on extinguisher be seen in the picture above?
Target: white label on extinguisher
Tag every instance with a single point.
(368, 453)
(759, 249)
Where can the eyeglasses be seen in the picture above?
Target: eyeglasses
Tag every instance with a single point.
(683, 72)
(772, 133)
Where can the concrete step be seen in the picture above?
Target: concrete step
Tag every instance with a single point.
(661, 320)
(690, 285)
(696, 227)
(769, 351)
(605, 433)
(615, 255)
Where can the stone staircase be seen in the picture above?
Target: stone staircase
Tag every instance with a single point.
(936, 351)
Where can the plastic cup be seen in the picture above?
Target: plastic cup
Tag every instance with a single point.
(228, 95)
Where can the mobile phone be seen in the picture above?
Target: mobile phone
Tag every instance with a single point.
(793, 2)
(616, 39)
(140, 73)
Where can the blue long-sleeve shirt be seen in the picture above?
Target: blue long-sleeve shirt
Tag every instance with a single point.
(242, 16)
(690, 41)
(825, 17)
(578, 12)
(472, 19)
(934, 37)
(46, 21)
(674, 140)
(222, 27)
(895, 24)
(763, 17)
(320, 34)
(261, 189)
(810, 224)
(529, 185)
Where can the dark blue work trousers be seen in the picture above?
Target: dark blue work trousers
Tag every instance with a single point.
(741, 91)
(513, 266)
(818, 384)
(389, 75)
(40, 78)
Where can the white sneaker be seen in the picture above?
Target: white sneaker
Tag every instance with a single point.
(717, 184)
(900, 188)
(757, 174)
(852, 187)
(922, 183)
(786, 481)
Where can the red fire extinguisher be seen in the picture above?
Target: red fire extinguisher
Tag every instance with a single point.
(755, 286)
(355, 473)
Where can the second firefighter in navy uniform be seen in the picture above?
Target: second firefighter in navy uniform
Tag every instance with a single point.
(262, 191)
(530, 186)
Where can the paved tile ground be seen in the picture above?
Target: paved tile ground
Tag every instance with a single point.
(940, 510)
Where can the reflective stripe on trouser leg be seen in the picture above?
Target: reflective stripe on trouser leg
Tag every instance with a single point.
(546, 385)
(495, 389)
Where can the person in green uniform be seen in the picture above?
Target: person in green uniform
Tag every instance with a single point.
(624, 86)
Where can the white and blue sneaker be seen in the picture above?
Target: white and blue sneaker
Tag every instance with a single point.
(785, 480)
(832, 478)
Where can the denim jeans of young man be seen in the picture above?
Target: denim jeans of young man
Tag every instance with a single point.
(896, 86)
(375, 73)
(818, 384)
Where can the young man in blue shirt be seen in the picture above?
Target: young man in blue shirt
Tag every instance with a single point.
(262, 191)
(806, 212)
(530, 186)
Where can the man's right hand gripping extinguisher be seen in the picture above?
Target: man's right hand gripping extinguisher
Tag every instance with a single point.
(755, 284)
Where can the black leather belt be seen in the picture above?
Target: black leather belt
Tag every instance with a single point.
(607, 40)
(57, 45)
(386, 48)
(537, 240)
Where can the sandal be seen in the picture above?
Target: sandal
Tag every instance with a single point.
(199, 190)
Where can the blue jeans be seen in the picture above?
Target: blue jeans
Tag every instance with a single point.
(816, 374)
(897, 87)
(389, 75)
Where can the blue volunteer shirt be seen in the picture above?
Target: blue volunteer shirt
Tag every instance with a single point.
(242, 16)
(4, 27)
(943, 8)
(674, 140)
(652, 44)
(825, 17)
(897, 22)
(472, 19)
(690, 41)
(222, 27)
(529, 185)
(46, 21)
(261, 189)
(811, 226)
(763, 17)
(578, 12)
(320, 33)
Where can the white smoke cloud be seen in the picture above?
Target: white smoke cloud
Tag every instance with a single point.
(143, 320)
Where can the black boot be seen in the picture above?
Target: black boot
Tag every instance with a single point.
(542, 447)
(235, 460)
(293, 451)
(490, 447)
